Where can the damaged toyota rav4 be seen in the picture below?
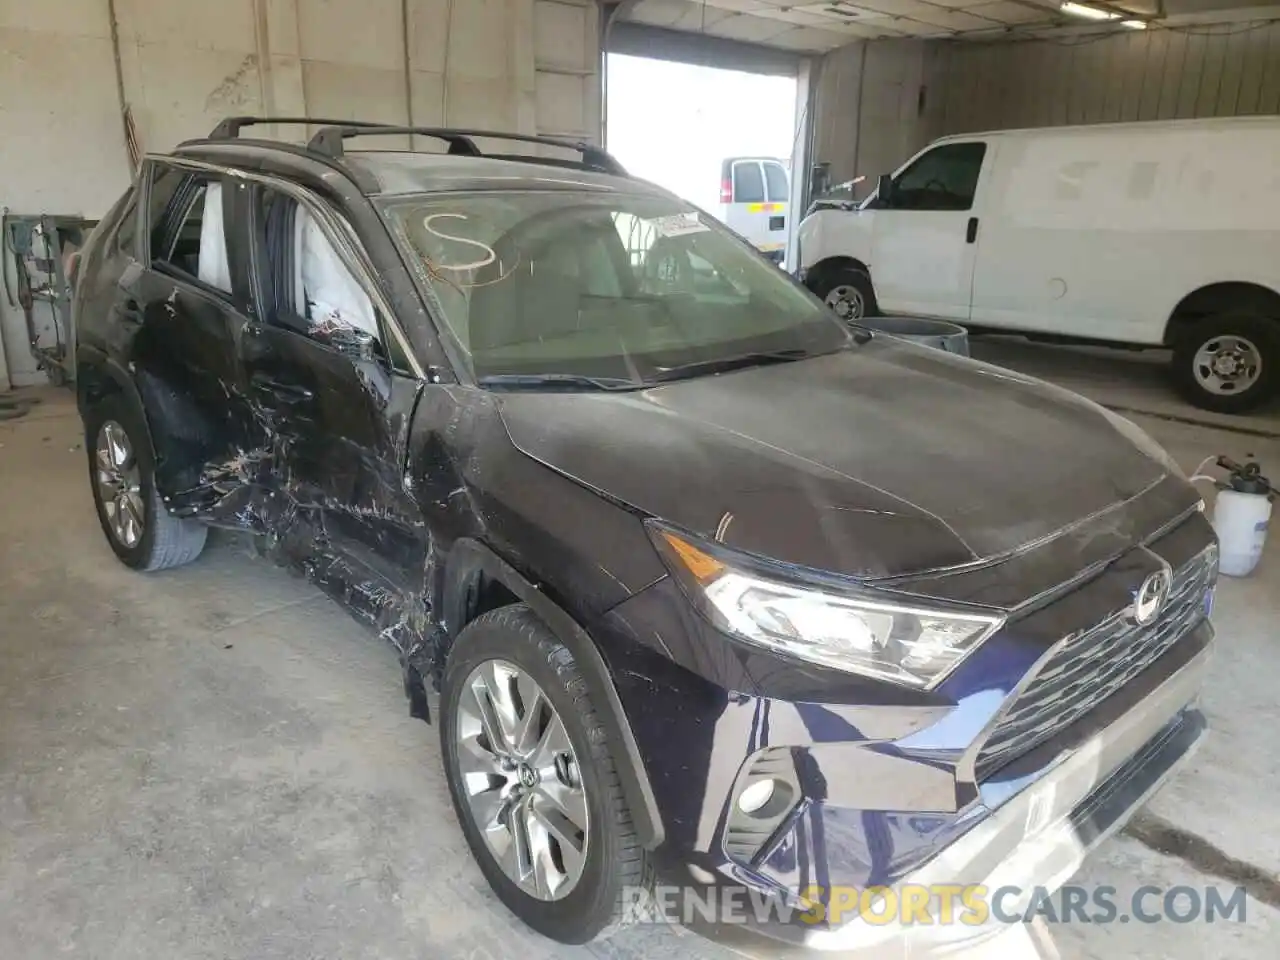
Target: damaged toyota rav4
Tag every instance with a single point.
(700, 585)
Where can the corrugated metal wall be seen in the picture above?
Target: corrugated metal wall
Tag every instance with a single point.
(1219, 71)
(878, 102)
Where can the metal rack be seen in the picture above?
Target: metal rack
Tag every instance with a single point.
(38, 249)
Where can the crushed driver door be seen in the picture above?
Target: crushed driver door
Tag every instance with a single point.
(332, 411)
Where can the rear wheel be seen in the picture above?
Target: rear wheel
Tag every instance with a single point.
(847, 291)
(1229, 363)
(533, 780)
(137, 525)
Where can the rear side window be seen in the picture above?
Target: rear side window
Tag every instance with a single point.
(776, 178)
(945, 178)
(165, 182)
(748, 182)
(187, 226)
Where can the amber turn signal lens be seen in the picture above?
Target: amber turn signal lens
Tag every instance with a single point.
(702, 566)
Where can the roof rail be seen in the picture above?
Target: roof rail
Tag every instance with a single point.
(329, 141)
(230, 127)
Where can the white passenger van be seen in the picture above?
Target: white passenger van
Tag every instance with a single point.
(1140, 234)
(753, 202)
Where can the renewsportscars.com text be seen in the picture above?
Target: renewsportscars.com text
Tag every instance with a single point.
(942, 904)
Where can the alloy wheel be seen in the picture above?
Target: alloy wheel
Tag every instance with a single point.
(1227, 365)
(119, 484)
(521, 780)
(847, 301)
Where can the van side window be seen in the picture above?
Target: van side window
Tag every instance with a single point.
(945, 178)
(748, 182)
(776, 178)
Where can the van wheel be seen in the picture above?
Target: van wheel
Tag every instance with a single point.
(847, 291)
(534, 781)
(1228, 363)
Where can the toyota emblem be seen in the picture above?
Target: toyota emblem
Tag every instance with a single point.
(1150, 598)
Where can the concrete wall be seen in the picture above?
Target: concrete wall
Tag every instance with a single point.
(880, 101)
(525, 65)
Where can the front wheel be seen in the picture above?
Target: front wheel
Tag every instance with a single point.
(534, 781)
(1228, 363)
(847, 291)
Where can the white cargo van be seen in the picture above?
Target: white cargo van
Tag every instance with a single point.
(753, 202)
(1160, 234)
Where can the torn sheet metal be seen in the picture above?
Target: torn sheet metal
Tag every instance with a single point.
(313, 468)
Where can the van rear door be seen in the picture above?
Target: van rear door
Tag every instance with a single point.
(925, 237)
(753, 202)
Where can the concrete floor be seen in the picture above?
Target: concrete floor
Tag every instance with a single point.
(217, 762)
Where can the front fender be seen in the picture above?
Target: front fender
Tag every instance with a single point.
(836, 234)
(468, 559)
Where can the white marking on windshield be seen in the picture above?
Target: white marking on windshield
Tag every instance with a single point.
(490, 254)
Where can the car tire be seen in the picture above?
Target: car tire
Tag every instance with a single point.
(145, 536)
(847, 290)
(614, 866)
(1228, 362)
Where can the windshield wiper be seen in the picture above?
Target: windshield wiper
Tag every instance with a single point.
(561, 381)
(738, 361)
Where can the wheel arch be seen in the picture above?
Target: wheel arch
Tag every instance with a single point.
(1218, 297)
(830, 264)
(476, 579)
(99, 375)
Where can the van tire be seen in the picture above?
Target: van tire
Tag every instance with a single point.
(847, 290)
(1244, 342)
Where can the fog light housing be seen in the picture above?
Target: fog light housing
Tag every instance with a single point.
(765, 797)
(754, 798)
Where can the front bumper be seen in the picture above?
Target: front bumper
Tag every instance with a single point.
(888, 785)
(1041, 835)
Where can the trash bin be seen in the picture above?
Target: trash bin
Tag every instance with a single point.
(950, 337)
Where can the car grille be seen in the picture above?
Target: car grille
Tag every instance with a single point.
(1091, 666)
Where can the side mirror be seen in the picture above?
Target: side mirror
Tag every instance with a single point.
(357, 344)
(884, 190)
(820, 180)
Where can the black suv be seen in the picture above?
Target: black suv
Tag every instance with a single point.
(701, 583)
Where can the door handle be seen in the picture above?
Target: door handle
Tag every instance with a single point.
(288, 394)
(971, 232)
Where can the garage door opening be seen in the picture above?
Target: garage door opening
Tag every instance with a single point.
(722, 139)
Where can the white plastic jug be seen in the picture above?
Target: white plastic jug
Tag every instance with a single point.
(1240, 520)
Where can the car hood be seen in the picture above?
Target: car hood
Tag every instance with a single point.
(881, 460)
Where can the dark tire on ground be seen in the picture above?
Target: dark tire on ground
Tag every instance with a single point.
(166, 541)
(827, 282)
(1238, 333)
(615, 861)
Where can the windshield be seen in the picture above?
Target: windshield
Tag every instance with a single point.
(614, 289)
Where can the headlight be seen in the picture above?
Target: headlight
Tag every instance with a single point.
(853, 630)
(1142, 440)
